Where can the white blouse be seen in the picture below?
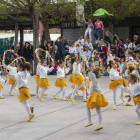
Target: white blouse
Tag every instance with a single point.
(109, 57)
(90, 46)
(134, 89)
(114, 74)
(87, 54)
(38, 70)
(12, 70)
(22, 78)
(94, 85)
(2, 80)
(72, 50)
(76, 69)
(44, 71)
(61, 73)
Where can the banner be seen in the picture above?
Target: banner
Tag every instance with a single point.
(5, 44)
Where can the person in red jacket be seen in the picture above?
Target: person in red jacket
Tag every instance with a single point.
(105, 53)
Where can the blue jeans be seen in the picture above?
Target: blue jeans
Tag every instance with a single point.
(105, 73)
(96, 32)
(61, 57)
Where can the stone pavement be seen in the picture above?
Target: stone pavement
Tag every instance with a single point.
(63, 120)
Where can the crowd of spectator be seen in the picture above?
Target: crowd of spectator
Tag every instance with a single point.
(62, 47)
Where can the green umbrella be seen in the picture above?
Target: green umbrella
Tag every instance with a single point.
(101, 13)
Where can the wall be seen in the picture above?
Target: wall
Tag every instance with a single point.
(72, 34)
(122, 32)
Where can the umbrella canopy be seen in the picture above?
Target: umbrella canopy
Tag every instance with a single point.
(101, 13)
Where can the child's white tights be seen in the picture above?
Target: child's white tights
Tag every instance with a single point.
(98, 110)
(27, 106)
(42, 92)
(115, 91)
(61, 89)
(13, 85)
(77, 87)
(137, 108)
(1, 93)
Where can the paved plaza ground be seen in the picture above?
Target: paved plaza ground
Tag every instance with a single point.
(63, 120)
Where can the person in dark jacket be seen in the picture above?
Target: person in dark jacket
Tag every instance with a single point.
(28, 54)
(44, 47)
(61, 48)
(106, 38)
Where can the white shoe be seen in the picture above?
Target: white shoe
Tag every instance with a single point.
(96, 42)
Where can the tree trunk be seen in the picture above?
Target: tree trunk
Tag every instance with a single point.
(111, 27)
(46, 28)
(16, 35)
(35, 38)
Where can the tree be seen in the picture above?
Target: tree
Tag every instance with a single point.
(56, 11)
(119, 8)
(33, 8)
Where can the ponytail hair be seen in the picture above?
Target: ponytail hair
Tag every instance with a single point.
(25, 66)
(130, 69)
(135, 78)
(110, 63)
(96, 71)
(60, 62)
(72, 61)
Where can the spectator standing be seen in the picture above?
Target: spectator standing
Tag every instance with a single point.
(28, 54)
(100, 50)
(61, 48)
(116, 44)
(87, 53)
(137, 43)
(121, 51)
(89, 45)
(67, 47)
(85, 42)
(81, 40)
(130, 44)
(51, 47)
(72, 51)
(105, 54)
(89, 29)
(19, 50)
(98, 27)
(44, 47)
(115, 37)
(106, 38)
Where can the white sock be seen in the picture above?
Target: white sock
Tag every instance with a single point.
(137, 110)
(88, 114)
(61, 88)
(98, 110)
(1, 93)
(12, 86)
(37, 88)
(114, 95)
(27, 106)
(84, 95)
(63, 93)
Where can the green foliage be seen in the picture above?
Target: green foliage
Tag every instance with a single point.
(119, 8)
